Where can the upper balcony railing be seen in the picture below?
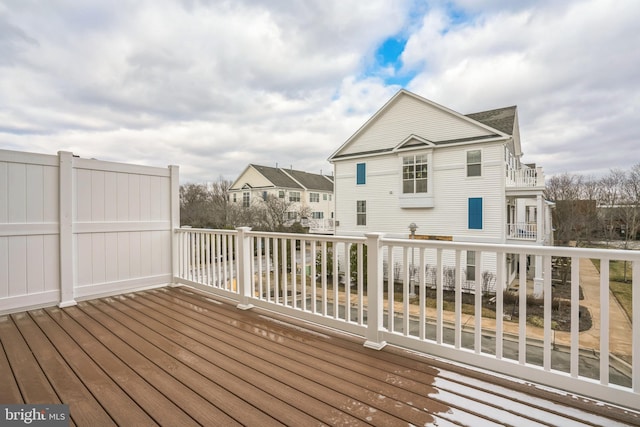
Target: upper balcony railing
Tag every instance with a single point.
(525, 177)
(319, 226)
(424, 300)
(522, 231)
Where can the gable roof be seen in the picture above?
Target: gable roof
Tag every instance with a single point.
(290, 178)
(491, 124)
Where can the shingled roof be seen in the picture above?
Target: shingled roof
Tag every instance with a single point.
(501, 119)
(312, 181)
(290, 178)
(277, 177)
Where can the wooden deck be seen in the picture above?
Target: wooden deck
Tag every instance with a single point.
(175, 356)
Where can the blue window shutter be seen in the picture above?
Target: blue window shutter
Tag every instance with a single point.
(475, 213)
(361, 173)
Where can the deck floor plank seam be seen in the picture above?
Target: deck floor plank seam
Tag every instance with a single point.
(373, 396)
(9, 392)
(173, 359)
(181, 356)
(310, 380)
(383, 393)
(192, 405)
(203, 345)
(118, 404)
(380, 381)
(70, 389)
(149, 398)
(556, 408)
(33, 383)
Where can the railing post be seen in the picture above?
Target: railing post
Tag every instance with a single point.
(375, 292)
(244, 283)
(175, 221)
(67, 253)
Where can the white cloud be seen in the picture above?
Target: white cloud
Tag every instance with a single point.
(213, 85)
(569, 68)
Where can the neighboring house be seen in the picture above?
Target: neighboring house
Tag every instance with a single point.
(456, 177)
(309, 196)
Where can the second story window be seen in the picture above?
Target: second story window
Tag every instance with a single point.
(246, 199)
(474, 163)
(281, 194)
(414, 174)
(317, 215)
(294, 196)
(361, 173)
(314, 197)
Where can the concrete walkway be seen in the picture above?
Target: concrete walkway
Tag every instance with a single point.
(620, 330)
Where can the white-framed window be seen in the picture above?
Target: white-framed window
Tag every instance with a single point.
(235, 198)
(474, 163)
(317, 215)
(294, 196)
(415, 174)
(324, 196)
(471, 266)
(246, 199)
(361, 212)
(314, 197)
(281, 194)
(292, 216)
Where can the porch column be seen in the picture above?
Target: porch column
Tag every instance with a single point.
(538, 271)
(245, 284)
(375, 292)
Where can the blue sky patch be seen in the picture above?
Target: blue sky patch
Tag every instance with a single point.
(389, 52)
(388, 65)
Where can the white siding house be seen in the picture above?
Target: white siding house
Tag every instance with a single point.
(310, 195)
(454, 177)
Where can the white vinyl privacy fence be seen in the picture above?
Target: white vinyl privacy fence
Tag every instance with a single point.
(73, 228)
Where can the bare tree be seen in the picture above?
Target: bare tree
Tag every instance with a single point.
(195, 206)
(274, 213)
(609, 197)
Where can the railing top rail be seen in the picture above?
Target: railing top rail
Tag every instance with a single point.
(205, 230)
(562, 251)
(298, 236)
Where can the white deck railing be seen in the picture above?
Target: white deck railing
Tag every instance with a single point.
(525, 177)
(306, 276)
(522, 231)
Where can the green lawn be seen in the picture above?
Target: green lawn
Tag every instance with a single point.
(620, 290)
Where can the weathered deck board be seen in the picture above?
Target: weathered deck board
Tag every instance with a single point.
(9, 392)
(66, 384)
(174, 356)
(120, 406)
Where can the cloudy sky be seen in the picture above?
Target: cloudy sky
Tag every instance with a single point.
(214, 85)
